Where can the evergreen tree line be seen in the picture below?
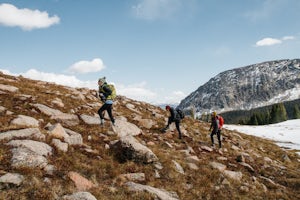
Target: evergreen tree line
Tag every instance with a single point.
(265, 115)
(276, 114)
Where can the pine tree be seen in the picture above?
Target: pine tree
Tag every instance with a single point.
(282, 110)
(253, 120)
(260, 117)
(267, 118)
(278, 113)
(296, 112)
(241, 122)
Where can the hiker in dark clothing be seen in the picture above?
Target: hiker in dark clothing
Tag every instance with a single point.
(174, 117)
(105, 95)
(215, 129)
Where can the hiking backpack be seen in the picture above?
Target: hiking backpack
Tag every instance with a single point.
(113, 94)
(221, 121)
(180, 113)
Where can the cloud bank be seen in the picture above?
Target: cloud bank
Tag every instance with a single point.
(25, 18)
(137, 91)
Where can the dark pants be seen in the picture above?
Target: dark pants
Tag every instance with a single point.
(177, 124)
(214, 132)
(107, 107)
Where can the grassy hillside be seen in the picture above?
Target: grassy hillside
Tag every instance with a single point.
(273, 176)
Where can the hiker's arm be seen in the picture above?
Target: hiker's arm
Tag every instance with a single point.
(107, 91)
(211, 125)
(172, 114)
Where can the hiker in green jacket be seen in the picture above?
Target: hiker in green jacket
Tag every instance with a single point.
(106, 96)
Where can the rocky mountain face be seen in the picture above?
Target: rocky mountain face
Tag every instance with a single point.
(53, 147)
(248, 87)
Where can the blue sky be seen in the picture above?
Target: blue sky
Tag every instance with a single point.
(158, 51)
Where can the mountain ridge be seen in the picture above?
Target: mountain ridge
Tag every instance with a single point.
(247, 87)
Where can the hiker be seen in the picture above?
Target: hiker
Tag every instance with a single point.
(215, 129)
(174, 117)
(105, 93)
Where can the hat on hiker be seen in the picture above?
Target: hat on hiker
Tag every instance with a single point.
(102, 80)
(168, 107)
(214, 113)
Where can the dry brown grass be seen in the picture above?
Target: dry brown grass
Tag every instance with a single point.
(103, 168)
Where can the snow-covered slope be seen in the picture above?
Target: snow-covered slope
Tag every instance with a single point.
(286, 134)
(248, 87)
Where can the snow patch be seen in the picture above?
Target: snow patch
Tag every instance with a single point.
(285, 134)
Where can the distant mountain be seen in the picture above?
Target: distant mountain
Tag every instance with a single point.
(247, 87)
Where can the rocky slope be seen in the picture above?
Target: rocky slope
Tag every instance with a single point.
(248, 87)
(52, 147)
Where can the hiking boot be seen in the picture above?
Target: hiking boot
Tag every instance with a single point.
(102, 122)
(163, 130)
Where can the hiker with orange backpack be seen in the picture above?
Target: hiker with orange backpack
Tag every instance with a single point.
(106, 94)
(216, 126)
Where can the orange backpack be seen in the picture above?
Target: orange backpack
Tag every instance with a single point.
(221, 121)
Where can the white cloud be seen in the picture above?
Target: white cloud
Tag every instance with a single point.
(137, 91)
(87, 66)
(60, 79)
(268, 42)
(288, 38)
(156, 9)
(140, 92)
(174, 98)
(273, 41)
(25, 18)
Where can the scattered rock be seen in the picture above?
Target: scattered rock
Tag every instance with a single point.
(29, 133)
(8, 88)
(133, 176)
(161, 194)
(82, 184)
(124, 128)
(11, 179)
(79, 196)
(178, 167)
(91, 120)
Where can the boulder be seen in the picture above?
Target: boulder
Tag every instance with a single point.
(29, 133)
(124, 128)
(129, 148)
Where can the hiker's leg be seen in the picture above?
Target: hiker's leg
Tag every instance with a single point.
(219, 138)
(177, 123)
(100, 111)
(169, 122)
(109, 108)
(212, 137)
